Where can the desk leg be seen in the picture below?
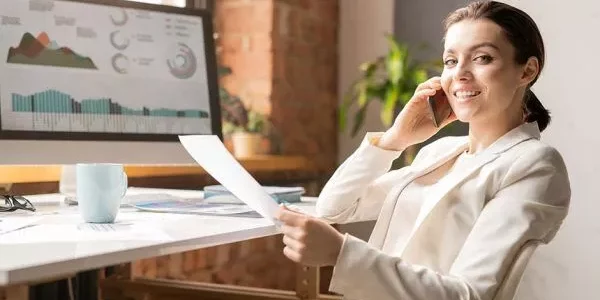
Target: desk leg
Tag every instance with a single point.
(53, 290)
(307, 282)
(86, 286)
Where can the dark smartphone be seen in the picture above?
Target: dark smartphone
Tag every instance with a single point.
(439, 107)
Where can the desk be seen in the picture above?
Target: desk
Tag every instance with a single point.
(59, 255)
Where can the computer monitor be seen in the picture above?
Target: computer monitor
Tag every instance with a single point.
(104, 81)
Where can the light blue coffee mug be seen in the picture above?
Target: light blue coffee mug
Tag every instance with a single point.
(100, 189)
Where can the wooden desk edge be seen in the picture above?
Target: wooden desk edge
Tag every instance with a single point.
(51, 173)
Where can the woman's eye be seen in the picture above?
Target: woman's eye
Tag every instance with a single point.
(450, 62)
(483, 59)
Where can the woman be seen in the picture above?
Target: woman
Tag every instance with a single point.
(449, 225)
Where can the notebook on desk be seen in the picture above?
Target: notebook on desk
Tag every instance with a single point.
(194, 206)
(279, 193)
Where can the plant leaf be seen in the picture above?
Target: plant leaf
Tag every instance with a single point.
(223, 71)
(359, 119)
(405, 97)
(418, 76)
(395, 60)
(391, 98)
(362, 95)
(346, 103)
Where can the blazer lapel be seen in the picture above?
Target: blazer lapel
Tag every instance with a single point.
(382, 226)
(445, 185)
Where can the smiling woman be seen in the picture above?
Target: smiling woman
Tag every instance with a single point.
(452, 224)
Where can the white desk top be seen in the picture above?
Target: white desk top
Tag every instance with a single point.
(60, 243)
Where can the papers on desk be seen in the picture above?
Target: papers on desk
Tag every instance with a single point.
(212, 155)
(195, 206)
(13, 224)
(70, 228)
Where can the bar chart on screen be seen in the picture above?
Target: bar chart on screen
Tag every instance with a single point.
(53, 110)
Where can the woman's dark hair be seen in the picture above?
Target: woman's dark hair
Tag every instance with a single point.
(523, 34)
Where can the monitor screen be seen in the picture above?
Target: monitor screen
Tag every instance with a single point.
(105, 70)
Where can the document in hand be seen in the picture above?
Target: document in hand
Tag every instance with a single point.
(211, 154)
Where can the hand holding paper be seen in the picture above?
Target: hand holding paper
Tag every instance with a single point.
(212, 155)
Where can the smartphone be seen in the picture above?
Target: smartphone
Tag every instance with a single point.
(439, 107)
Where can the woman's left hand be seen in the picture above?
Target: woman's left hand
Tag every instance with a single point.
(309, 241)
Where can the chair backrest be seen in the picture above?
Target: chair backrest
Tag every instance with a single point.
(509, 286)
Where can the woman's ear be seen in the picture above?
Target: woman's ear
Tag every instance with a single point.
(530, 71)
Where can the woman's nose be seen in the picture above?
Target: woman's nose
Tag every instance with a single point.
(462, 72)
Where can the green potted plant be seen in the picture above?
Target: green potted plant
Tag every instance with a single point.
(391, 79)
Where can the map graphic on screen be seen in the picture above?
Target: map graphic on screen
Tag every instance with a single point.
(42, 51)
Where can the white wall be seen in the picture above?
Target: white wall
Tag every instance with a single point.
(568, 268)
(363, 24)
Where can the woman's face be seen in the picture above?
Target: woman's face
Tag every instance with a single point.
(480, 77)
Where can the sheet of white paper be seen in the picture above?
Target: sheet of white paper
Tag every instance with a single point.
(212, 155)
(71, 228)
(83, 232)
(15, 223)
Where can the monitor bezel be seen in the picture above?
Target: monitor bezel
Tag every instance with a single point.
(211, 67)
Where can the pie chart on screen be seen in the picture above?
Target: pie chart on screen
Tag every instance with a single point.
(182, 63)
(120, 63)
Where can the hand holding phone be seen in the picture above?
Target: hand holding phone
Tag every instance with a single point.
(439, 108)
(428, 106)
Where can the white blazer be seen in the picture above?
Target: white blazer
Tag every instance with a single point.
(469, 228)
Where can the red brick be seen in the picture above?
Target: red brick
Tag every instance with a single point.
(326, 9)
(249, 64)
(136, 268)
(175, 266)
(149, 267)
(189, 261)
(230, 42)
(245, 17)
(306, 4)
(257, 245)
(222, 256)
(234, 252)
(291, 21)
(211, 255)
(261, 42)
(244, 249)
(201, 259)
(309, 29)
(201, 276)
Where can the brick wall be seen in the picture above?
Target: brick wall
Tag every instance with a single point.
(283, 55)
(304, 95)
(257, 263)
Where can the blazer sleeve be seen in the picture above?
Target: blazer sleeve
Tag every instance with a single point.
(357, 189)
(531, 205)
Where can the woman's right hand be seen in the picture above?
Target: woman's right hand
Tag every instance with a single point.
(414, 124)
